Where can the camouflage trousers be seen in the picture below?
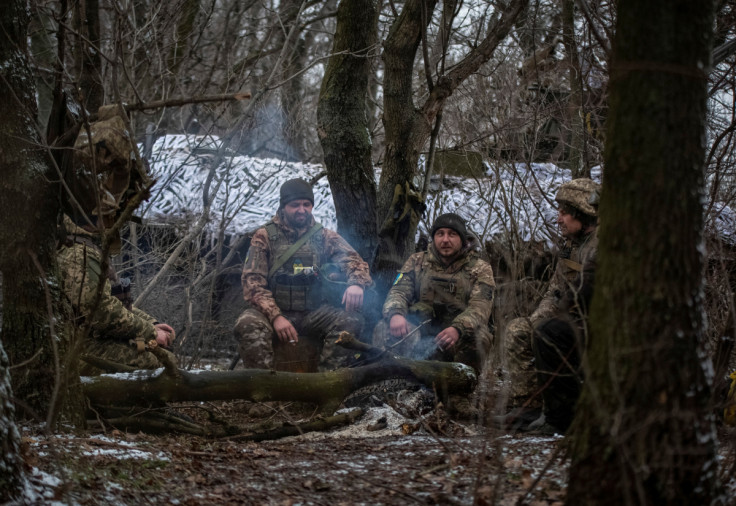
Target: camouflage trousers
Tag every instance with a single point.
(520, 365)
(260, 347)
(116, 351)
(470, 349)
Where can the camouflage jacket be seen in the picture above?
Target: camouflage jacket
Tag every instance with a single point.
(462, 292)
(576, 260)
(80, 267)
(327, 247)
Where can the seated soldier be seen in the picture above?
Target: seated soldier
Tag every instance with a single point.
(577, 220)
(448, 291)
(291, 263)
(112, 325)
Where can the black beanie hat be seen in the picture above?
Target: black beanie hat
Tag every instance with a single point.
(296, 189)
(453, 221)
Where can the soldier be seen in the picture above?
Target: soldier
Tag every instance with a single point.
(292, 269)
(106, 151)
(448, 291)
(577, 219)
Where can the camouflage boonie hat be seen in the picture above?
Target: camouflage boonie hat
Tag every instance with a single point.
(110, 154)
(583, 194)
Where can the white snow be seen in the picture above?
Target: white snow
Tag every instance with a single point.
(244, 193)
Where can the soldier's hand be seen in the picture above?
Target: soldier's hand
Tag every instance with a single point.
(164, 334)
(285, 330)
(352, 299)
(398, 326)
(447, 338)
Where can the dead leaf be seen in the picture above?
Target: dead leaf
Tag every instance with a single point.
(410, 428)
(526, 479)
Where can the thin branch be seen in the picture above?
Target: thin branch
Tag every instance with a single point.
(177, 102)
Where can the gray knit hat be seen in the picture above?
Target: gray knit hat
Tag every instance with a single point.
(296, 189)
(450, 220)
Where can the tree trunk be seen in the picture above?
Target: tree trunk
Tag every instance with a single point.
(11, 477)
(87, 21)
(574, 107)
(408, 128)
(343, 124)
(643, 434)
(35, 343)
(18, 233)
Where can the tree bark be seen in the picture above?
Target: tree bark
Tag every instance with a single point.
(87, 21)
(343, 127)
(574, 108)
(327, 389)
(409, 127)
(11, 463)
(36, 344)
(26, 197)
(643, 434)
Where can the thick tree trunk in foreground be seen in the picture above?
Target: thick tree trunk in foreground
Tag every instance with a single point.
(643, 434)
(343, 124)
(21, 241)
(29, 208)
(11, 477)
(326, 389)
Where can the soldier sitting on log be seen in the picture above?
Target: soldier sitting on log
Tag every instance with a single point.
(104, 151)
(292, 266)
(448, 291)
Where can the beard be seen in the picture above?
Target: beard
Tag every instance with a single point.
(298, 220)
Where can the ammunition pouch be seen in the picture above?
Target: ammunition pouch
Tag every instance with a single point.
(334, 284)
(297, 292)
(121, 290)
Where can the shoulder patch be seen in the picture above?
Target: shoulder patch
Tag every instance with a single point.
(398, 277)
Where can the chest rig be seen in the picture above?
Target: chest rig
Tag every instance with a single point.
(295, 285)
(446, 292)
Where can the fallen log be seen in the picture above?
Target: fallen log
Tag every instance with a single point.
(326, 389)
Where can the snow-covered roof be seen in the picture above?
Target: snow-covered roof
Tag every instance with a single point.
(511, 200)
(243, 192)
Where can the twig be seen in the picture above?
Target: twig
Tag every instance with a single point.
(407, 336)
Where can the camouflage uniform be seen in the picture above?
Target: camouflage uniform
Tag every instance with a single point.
(111, 324)
(297, 292)
(518, 338)
(459, 295)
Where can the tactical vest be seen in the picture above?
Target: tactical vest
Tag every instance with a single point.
(447, 293)
(296, 284)
(571, 256)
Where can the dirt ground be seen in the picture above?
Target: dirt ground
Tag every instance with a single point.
(382, 458)
(363, 463)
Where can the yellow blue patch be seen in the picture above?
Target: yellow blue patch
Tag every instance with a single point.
(398, 277)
